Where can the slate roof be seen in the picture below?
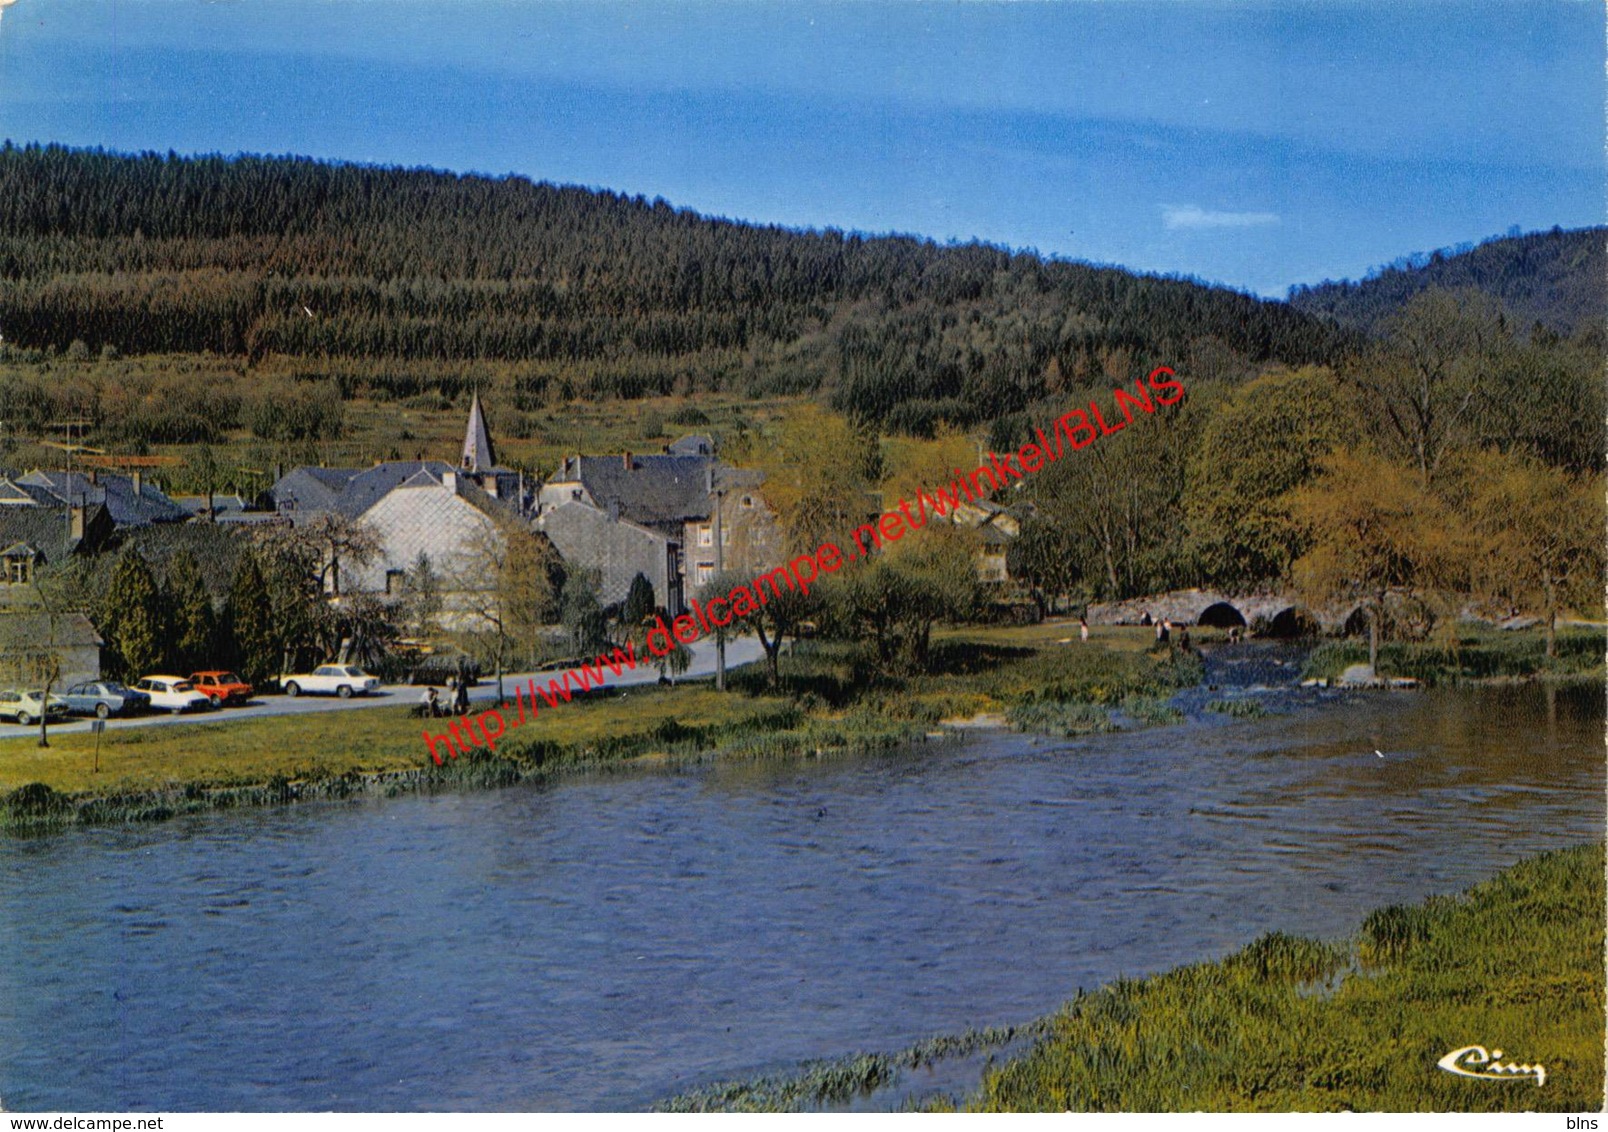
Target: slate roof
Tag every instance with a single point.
(45, 529)
(477, 454)
(116, 493)
(347, 491)
(73, 630)
(654, 490)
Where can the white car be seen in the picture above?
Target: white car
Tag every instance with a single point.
(341, 680)
(172, 693)
(24, 707)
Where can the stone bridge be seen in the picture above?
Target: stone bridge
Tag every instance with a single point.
(1275, 615)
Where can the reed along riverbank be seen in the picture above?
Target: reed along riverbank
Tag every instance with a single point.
(1295, 1024)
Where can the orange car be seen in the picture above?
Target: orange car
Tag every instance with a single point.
(222, 687)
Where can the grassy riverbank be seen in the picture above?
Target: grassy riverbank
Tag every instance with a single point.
(1293, 1024)
(1474, 654)
(833, 698)
(832, 701)
(153, 773)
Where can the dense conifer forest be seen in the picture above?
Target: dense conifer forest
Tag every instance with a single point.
(1554, 279)
(586, 294)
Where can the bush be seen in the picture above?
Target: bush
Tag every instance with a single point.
(1238, 709)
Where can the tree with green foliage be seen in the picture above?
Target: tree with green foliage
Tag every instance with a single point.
(1261, 444)
(1372, 528)
(194, 619)
(206, 473)
(1535, 537)
(579, 611)
(638, 607)
(136, 622)
(252, 625)
(819, 471)
(771, 621)
(896, 600)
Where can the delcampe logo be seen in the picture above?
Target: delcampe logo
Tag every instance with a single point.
(1475, 1061)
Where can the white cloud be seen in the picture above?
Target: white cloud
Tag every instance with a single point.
(1194, 216)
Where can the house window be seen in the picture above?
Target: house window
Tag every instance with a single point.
(705, 537)
(706, 571)
(18, 570)
(575, 493)
(395, 581)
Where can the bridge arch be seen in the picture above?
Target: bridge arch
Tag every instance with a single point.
(1293, 621)
(1221, 615)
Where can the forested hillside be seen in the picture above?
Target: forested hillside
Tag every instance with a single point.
(1558, 279)
(575, 293)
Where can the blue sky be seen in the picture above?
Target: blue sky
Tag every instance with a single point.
(1252, 144)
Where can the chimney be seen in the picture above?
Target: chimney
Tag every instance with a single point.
(627, 461)
(76, 522)
(490, 484)
(138, 480)
(449, 480)
(709, 478)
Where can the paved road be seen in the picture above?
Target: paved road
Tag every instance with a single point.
(744, 650)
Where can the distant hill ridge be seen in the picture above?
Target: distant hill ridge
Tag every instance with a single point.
(1557, 278)
(596, 294)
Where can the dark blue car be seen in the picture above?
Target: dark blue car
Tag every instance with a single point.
(102, 698)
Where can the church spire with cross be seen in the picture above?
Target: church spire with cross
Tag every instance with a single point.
(477, 454)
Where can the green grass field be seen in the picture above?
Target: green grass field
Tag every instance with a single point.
(366, 741)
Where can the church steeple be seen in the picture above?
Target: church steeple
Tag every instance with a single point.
(477, 454)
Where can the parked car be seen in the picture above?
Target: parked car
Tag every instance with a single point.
(172, 693)
(342, 680)
(23, 707)
(221, 687)
(103, 698)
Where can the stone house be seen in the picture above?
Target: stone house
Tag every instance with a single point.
(440, 514)
(683, 496)
(617, 549)
(31, 641)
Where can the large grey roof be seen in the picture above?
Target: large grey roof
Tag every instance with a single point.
(127, 507)
(46, 529)
(347, 491)
(654, 489)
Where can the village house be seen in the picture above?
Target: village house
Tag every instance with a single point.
(38, 536)
(306, 492)
(130, 501)
(452, 515)
(658, 515)
(35, 644)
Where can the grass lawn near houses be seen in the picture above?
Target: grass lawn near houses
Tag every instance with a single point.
(320, 744)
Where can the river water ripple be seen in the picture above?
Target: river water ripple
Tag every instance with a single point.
(609, 941)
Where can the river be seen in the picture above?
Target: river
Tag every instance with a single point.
(609, 941)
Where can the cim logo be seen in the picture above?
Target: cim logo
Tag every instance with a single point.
(1475, 1061)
